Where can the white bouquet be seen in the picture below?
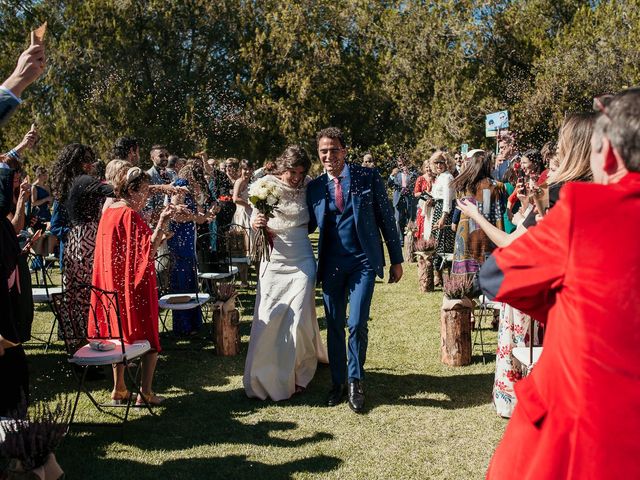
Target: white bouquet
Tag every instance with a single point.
(264, 195)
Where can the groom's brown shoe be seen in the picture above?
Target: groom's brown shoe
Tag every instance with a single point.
(356, 396)
(336, 395)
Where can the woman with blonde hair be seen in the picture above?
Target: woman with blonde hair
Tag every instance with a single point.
(443, 195)
(123, 262)
(574, 152)
(422, 191)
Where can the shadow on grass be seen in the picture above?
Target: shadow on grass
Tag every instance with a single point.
(196, 418)
(192, 425)
(448, 392)
(231, 466)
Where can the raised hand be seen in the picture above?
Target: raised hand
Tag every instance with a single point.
(31, 64)
(25, 189)
(467, 207)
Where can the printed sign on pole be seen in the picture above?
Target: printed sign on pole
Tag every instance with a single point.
(496, 121)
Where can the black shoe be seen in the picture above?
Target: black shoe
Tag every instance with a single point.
(336, 395)
(356, 396)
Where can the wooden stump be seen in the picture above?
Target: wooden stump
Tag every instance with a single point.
(227, 332)
(409, 247)
(455, 332)
(425, 273)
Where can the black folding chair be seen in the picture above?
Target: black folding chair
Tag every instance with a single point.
(214, 265)
(103, 310)
(484, 311)
(239, 245)
(166, 301)
(41, 292)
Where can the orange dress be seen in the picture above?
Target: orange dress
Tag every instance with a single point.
(122, 263)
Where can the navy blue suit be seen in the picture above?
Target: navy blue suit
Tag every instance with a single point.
(350, 255)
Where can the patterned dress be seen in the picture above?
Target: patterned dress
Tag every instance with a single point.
(443, 195)
(513, 331)
(423, 216)
(183, 276)
(83, 208)
(472, 245)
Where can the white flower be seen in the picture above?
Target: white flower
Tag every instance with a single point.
(271, 200)
(258, 188)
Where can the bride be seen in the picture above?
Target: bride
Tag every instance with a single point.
(285, 344)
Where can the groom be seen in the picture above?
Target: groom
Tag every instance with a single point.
(349, 204)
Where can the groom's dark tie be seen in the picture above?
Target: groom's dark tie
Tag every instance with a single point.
(339, 199)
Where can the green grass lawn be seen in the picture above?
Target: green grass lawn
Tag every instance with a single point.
(424, 420)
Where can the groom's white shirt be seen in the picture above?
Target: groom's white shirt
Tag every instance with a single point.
(345, 182)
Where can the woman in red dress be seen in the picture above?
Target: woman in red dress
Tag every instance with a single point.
(423, 184)
(123, 262)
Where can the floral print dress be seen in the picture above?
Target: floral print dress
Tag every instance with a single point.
(513, 331)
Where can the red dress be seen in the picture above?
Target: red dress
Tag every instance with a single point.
(578, 270)
(422, 184)
(122, 262)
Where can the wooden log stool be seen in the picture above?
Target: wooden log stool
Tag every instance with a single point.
(455, 332)
(226, 327)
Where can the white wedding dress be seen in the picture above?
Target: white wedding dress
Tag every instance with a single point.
(285, 344)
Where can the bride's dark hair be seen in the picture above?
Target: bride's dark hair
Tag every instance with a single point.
(294, 156)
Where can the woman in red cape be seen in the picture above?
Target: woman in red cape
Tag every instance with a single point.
(124, 263)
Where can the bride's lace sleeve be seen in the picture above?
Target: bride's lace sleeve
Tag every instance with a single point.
(292, 210)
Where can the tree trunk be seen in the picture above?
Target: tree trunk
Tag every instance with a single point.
(455, 336)
(425, 273)
(227, 332)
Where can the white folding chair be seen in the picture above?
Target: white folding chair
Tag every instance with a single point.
(104, 312)
(169, 302)
(528, 356)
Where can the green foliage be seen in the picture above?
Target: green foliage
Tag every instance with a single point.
(247, 78)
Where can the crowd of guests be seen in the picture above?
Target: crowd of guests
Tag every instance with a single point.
(113, 223)
(463, 206)
(109, 224)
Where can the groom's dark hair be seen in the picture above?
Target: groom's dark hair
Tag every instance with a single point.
(333, 133)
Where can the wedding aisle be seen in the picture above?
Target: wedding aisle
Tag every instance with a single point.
(424, 420)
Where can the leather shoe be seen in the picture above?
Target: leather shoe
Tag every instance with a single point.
(336, 395)
(356, 396)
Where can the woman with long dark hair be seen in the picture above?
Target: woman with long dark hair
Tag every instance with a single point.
(80, 196)
(182, 245)
(474, 184)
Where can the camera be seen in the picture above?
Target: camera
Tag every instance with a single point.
(426, 196)
(522, 178)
